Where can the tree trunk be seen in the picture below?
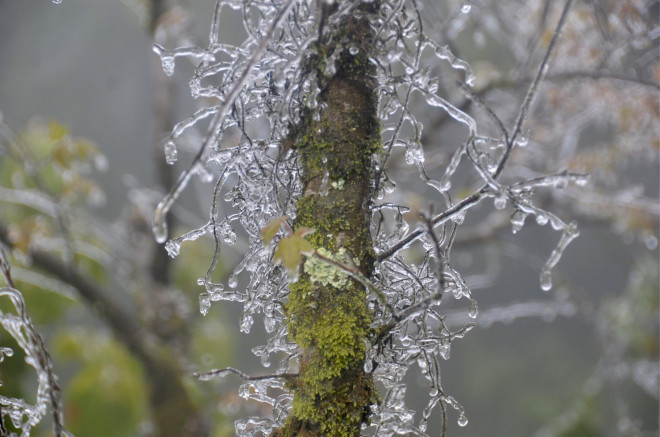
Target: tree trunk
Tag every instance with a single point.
(327, 316)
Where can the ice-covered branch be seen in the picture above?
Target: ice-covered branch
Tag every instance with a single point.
(22, 415)
(533, 89)
(219, 373)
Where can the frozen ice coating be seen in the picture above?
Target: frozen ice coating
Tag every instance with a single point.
(570, 233)
(23, 415)
(443, 52)
(254, 94)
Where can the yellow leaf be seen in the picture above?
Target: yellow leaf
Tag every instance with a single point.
(269, 231)
(290, 251)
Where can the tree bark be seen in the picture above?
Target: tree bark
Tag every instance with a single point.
(329, 318)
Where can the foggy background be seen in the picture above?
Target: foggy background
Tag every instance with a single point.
(89, 64)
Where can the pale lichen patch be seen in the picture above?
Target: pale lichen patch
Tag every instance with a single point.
(325, 273)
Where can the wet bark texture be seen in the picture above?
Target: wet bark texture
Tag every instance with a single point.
(329, 320)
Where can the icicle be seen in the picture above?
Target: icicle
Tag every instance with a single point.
(159, 223)
(500, 200)
(570, 233)
(517, 221)
(443, 52)
(171, 152)
(474, 309)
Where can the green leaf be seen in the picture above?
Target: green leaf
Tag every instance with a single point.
(269, 231)
(291, 249)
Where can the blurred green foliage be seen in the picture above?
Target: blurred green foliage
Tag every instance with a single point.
(104, 388)
(106, 395)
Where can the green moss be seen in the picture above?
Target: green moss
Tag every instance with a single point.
(344, 157)
(327, 314)
(331, 325)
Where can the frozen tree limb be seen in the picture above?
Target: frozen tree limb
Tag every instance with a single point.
(48, 392)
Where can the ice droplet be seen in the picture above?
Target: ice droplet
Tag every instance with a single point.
(570, 233)
(522, 140)
(353, 50)
(57, 2)
(246, 322)
(195, 85)
(414, 155)
(542, 219)
(517, 221)
(500, 201)
(204, 303)
(651, 242)
(265, 359)
(205, 377)
(581, 180)
(546, 280)
(173, 248)
(474, 309)
(462, 419)
(171, 152)
(445, 351)
(232, 281)
(5, 352)
(388, 186)
(466, 7)
(159, 226)
(270, 324)
(458, 218)
(168, 64)
(227, 233)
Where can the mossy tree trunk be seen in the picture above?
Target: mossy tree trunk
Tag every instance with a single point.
(329, 319)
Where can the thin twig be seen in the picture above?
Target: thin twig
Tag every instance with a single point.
(483, 105)
(5, 267)
(436, 246)
(444, 418)
(242, 375)
(533, 89)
